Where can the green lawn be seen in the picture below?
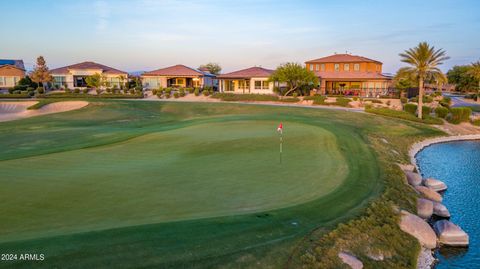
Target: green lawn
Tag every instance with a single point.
(150, 184)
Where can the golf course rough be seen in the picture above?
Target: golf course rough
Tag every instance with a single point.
(153, 184)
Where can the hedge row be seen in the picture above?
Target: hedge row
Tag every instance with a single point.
(14, 95)
(79, 95)
(245, 97)
(403, 115)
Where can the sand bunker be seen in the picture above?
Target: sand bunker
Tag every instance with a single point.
(18, 110)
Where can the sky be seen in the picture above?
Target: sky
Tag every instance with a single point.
(143, 35)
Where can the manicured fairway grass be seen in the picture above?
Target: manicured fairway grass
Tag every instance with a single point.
(147, 184)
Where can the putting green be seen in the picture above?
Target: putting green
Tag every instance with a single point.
(199, 171)
(131, 184)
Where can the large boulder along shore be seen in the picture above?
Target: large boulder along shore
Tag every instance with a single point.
(424, 208)
(435, 184)
(429, 194)
(418, 228)
(413, 178)
(440, 210)
(450, 234)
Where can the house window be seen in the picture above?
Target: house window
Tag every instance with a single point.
(258, 85)
(180, 81)
(265, 85)
(336, 67)
(311, 67)
(317, 67)
(2, 81)
(356, 67)
(322, 67)
(59, 81)
(346, 67)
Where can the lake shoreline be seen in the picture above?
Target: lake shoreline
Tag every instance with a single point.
(426, 261)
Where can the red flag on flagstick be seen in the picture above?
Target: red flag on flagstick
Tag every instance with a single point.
(280, 128)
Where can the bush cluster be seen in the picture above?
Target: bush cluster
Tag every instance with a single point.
(410, 108)
(459, 114)
(244, 97)
(441, 112)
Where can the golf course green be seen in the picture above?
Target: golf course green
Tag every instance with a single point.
(168, 185)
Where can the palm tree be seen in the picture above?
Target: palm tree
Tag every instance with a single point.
(474, 71)
(424, 61)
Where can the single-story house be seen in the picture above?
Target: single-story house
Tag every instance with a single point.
(350, 74)
(73, 76)
(250, 80)
(177, 76)
(11, 71)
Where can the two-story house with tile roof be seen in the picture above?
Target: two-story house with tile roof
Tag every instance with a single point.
(350, 74)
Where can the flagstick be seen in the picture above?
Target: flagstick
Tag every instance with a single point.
(281, 142)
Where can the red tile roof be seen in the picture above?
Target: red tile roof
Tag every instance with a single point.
(350, 75)
(88, 65)
(252, 72)
(177, 70)
(342, 58)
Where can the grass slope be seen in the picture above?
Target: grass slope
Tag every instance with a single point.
(69, 141)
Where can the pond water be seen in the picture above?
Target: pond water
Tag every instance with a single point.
(458, 165)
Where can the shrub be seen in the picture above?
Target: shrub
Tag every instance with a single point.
(460, 114)
(182, 90)
(295, 95)
(159, 95)
(389, 103)
(403, 100)
(85, 91)
(290, 100)
(445, 101)
(132, 91)
(40, 90)
(441, 112)
(67, 90)
(98, 91)
(476, 122)
(341, 101)
(31, 93)
(154, 91)
(168, 90)
(426, 110)
(244, 97)
(355, 98)
(182, 93)
(190, 90)
(206, 93)
(30, 89)
(317, 99)
(427, 99)
(197, 92)
(410, 108)
(176, 94)
(167, 95)
(76, 90)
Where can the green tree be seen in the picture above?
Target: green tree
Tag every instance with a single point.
(40, 73)
(474, 71)
(424, 61)
(213, 68)
(122, 81)
(94, 81)
(460, 76)
(294, 75)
